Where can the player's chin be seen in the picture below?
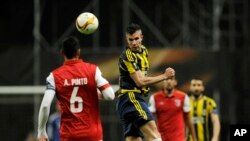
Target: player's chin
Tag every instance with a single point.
(136, 49)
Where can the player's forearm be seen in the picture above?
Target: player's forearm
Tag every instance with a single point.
(156, 79)
(44, 111)
(192, 131)
(216, 126)
(216, 130)
(190, 126)
(145, 81)
(42, 119)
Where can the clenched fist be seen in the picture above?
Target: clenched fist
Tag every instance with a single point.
(169, 73)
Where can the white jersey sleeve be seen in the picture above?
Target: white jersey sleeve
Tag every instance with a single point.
(186, 105)
(152, 107)
(103, 85)
(45, 106)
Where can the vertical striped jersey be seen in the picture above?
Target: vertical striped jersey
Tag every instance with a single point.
(201, 110)
(130, 62)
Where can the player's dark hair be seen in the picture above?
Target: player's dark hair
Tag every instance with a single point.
(132, 28)
(69, 47)
(197, 78)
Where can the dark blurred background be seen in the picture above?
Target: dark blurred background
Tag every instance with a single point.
(209, 38)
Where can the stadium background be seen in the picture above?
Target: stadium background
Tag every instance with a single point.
(206, 38)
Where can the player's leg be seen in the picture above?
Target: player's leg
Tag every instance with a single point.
(127, 114)
(145, 121)
(132, 138)
(131, 132)
(150, 131)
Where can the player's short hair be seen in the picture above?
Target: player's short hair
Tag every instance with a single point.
(197, 78)
(132, 28)
(69, 46)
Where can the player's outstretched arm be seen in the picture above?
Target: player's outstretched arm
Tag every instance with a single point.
(141, 80)
(44, 114)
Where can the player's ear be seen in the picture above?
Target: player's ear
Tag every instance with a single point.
(78, 52)
(141, 37)
(62, 52)
(175, 82)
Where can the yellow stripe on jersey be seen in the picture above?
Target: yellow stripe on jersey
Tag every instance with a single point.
(130, 66)
(143, 60)
(137, 105)
(200, 119)
(129, 55)
(201, 110)
(145, 56)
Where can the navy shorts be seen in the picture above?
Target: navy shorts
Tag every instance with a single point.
(133, 112)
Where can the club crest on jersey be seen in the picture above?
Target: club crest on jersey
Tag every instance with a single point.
(177, 102)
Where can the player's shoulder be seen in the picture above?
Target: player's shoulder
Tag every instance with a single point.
(144, 48)
(209, 99)
(128, 55)
(180, 93)
(57, 70)
(158, 93)
(88, 64)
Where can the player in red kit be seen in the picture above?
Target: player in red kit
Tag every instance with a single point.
(75, 85)
(172, 108)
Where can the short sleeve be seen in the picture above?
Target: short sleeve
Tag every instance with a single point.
(151, 104)
(213, 106)
(186, 105)
(50, 82)
(100, 80)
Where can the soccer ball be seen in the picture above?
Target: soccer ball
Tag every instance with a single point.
(87, 23)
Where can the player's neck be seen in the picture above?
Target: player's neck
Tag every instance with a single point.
(72, 59)
(168, 92)
(198, 96)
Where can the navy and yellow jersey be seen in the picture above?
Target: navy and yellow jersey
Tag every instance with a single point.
(131, 106)
(201, 110)
(130, 62)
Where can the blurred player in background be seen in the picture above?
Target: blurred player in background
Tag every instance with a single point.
(54, 124)
(75, 85)
(133, 110)
(172, 110)
(204, 113)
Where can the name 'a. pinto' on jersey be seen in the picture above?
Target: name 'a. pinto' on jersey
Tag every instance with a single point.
(130, 62)
(76, 81)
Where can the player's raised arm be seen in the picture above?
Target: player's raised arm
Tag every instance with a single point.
(141, 80)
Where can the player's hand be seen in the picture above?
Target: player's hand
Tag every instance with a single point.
(169, 73)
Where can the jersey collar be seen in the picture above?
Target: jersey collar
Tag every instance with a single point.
(73, 61)
(169, 95)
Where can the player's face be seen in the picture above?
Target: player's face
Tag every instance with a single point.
(196, 87)
(169, 84)
(134, 41)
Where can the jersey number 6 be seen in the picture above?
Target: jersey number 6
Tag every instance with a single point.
(76, 105)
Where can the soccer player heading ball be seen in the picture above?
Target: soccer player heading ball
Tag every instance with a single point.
(133, 110)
